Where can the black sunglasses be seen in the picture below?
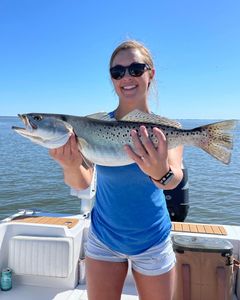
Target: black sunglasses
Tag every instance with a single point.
(135, 70)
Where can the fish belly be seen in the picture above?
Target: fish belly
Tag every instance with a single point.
(106, 155)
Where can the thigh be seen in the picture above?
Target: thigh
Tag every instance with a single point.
(158, 287)
(105, 279)
(156, 260)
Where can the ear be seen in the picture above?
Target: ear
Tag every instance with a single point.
(152, 73)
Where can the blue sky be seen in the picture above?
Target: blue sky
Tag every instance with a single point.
(54, 55)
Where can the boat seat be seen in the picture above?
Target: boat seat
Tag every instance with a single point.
(44, 256)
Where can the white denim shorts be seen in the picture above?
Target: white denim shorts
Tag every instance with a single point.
(154, 261)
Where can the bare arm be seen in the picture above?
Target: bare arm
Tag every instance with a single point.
(76, 175)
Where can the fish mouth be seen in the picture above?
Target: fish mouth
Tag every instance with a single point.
(29, 125)
(27, 122)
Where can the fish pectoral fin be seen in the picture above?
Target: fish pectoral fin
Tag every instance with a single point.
(81, 145)
(87, 164)
(139, 116)
(104, 116)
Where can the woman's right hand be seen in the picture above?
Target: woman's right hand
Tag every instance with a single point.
(68, 156)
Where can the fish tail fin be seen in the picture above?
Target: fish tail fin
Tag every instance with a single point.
(219, 140)
(218, 152)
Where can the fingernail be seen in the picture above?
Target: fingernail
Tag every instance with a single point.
(133, 132)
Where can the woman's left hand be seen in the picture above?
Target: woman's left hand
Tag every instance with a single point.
(151, 160)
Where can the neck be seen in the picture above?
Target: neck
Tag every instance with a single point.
(122, 109)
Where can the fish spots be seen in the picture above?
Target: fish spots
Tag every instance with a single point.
(115, 134)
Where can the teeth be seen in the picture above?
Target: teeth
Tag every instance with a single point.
(129, 87)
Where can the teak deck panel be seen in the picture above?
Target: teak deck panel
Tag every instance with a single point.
(176, 226)
(199, 228)
(69, 222)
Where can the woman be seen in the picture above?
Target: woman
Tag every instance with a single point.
(129, 221)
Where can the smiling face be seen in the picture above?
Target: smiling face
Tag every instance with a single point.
(132, 91)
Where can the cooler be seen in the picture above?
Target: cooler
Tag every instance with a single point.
(204, 268)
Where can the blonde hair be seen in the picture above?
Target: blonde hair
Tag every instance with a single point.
(132, 44)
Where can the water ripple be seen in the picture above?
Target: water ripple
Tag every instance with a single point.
(31, 179)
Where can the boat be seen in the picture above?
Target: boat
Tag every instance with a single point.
(45, 253)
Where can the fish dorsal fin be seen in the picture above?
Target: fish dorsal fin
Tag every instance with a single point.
(104, 116)
(139, 116)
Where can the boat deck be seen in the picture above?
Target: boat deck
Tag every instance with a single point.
(21, 292)
(70, 230)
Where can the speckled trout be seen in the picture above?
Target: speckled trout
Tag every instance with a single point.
(101, 139)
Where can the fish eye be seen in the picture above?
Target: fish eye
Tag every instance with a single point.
(37, 118)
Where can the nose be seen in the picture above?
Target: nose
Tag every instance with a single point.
(127, 75)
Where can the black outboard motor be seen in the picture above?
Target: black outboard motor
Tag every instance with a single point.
(178, 199)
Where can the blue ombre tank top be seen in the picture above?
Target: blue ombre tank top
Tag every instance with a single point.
(130, 213)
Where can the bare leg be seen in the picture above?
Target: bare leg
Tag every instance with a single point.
(160, 287)
(105, 279)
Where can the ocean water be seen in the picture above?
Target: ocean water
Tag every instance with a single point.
(29, 178)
